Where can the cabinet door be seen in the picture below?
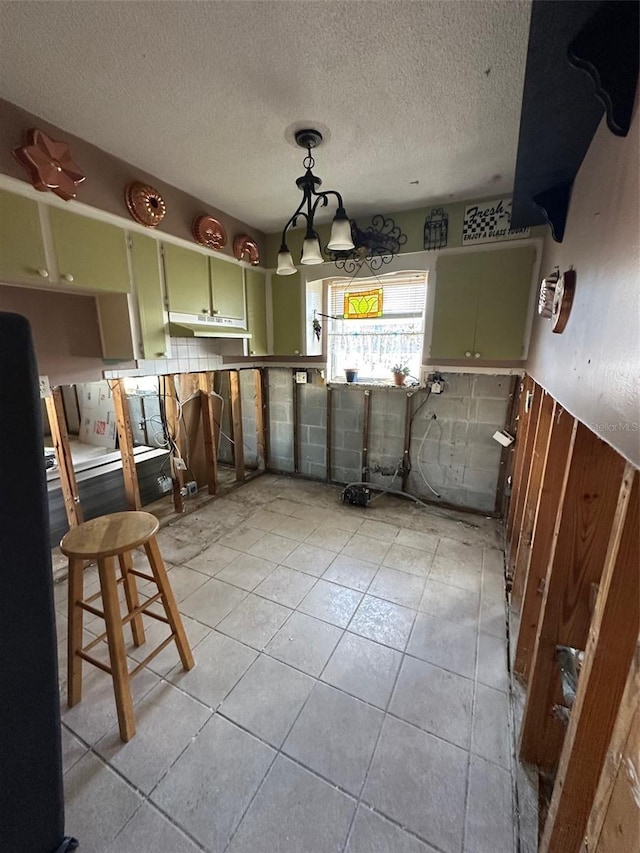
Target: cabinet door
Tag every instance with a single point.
(92, 255)
(454, 316)
(287, 312)
(148, 285)
(256, 311)
(21, 249)
(187, 279)
(227, 288)
(503, 278)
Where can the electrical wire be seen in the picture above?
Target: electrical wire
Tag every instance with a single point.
(424, 438)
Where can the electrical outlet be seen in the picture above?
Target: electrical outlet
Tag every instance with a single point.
(166, 484)
(301, 377)
(192, 488)
(179, 464)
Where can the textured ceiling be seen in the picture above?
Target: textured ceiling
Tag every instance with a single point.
(201, 93)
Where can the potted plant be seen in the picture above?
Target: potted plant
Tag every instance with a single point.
(400, 373)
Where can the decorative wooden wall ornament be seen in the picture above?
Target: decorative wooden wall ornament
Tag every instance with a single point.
(49, 164)
(245, 248)
(562, 301)
(209, 232)
(545, 296)
(145, 204)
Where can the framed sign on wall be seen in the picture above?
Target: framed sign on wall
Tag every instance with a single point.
(489, 222)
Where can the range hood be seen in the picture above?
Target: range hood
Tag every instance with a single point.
(206, 326)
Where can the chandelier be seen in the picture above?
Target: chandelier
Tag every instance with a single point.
(340, 239)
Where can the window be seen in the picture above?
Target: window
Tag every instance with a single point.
(374, 344)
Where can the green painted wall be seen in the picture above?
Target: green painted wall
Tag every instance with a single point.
(410, 221)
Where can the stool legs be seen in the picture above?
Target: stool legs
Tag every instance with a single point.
(168, 599)
(131, 594)
(117, 653)
(75, 626)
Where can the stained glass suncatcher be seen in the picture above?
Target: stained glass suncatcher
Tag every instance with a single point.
(363, 305)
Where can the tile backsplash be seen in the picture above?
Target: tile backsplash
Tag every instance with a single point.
(188, 355)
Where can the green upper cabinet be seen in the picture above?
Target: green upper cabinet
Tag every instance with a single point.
(481, 304)
(91, 255)
(187, 278)
(287, 314)
(148, 285)
(22, 257)
(256, 311)
(227, 289)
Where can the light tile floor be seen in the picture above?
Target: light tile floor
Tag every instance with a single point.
(350, 690)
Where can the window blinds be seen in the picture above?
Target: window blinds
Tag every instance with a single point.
(402, 296)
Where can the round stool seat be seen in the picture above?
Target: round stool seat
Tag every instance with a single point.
(109, 535)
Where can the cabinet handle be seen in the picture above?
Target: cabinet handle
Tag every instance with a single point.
(68, 277)
(205, 310)
(215, 311)
(477, 355)
(43, 273)
(468, 354)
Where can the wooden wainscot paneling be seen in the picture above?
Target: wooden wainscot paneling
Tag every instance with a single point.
(558, 452)
(577, 558)
(522, 421)
(236, 421)
(210, 410)
(608, 656)
(537, 465)
(614, 822)
(125, 442)
(60, 438)
(527, 437)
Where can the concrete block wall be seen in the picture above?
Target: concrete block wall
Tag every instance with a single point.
(453, 451)
(248, 403)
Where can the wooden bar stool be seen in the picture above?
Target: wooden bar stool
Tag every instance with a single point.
(103, 539)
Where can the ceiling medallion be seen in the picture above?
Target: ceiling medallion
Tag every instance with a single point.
(245, 248)
(49, 164)
(340, 239)
(209, 232)
(377, 245)
(145, 204)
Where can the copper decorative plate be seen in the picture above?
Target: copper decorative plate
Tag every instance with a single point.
(145, 204)
(209, 232)
(49, 164)
(246, 248)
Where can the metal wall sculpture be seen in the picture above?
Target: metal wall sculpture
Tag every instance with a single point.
(145, 204)
(436, 229)
(49, 164)
(209, 232)
(246, 248)
(373, 247)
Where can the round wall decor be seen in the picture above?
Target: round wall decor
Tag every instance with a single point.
(563, 300)
(145, 204)
(209, 232)
(545, 296)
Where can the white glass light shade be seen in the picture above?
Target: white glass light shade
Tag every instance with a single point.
(311, 252)
(340, 239)
(285, 263)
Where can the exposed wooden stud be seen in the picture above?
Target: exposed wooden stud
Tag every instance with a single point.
(608, 655)
(577, 558)
(615, 816)
(264, 383)
(406, 468)
(296, 429)
(558, 459)
(366, 417)
(125, 442)
(60, 439)
(209, 430)
(507, 452)
(236, 420)
(172, 415)
(537, 464)
(522, 422)
(260, 420)
(329, 430)
(525, 472)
